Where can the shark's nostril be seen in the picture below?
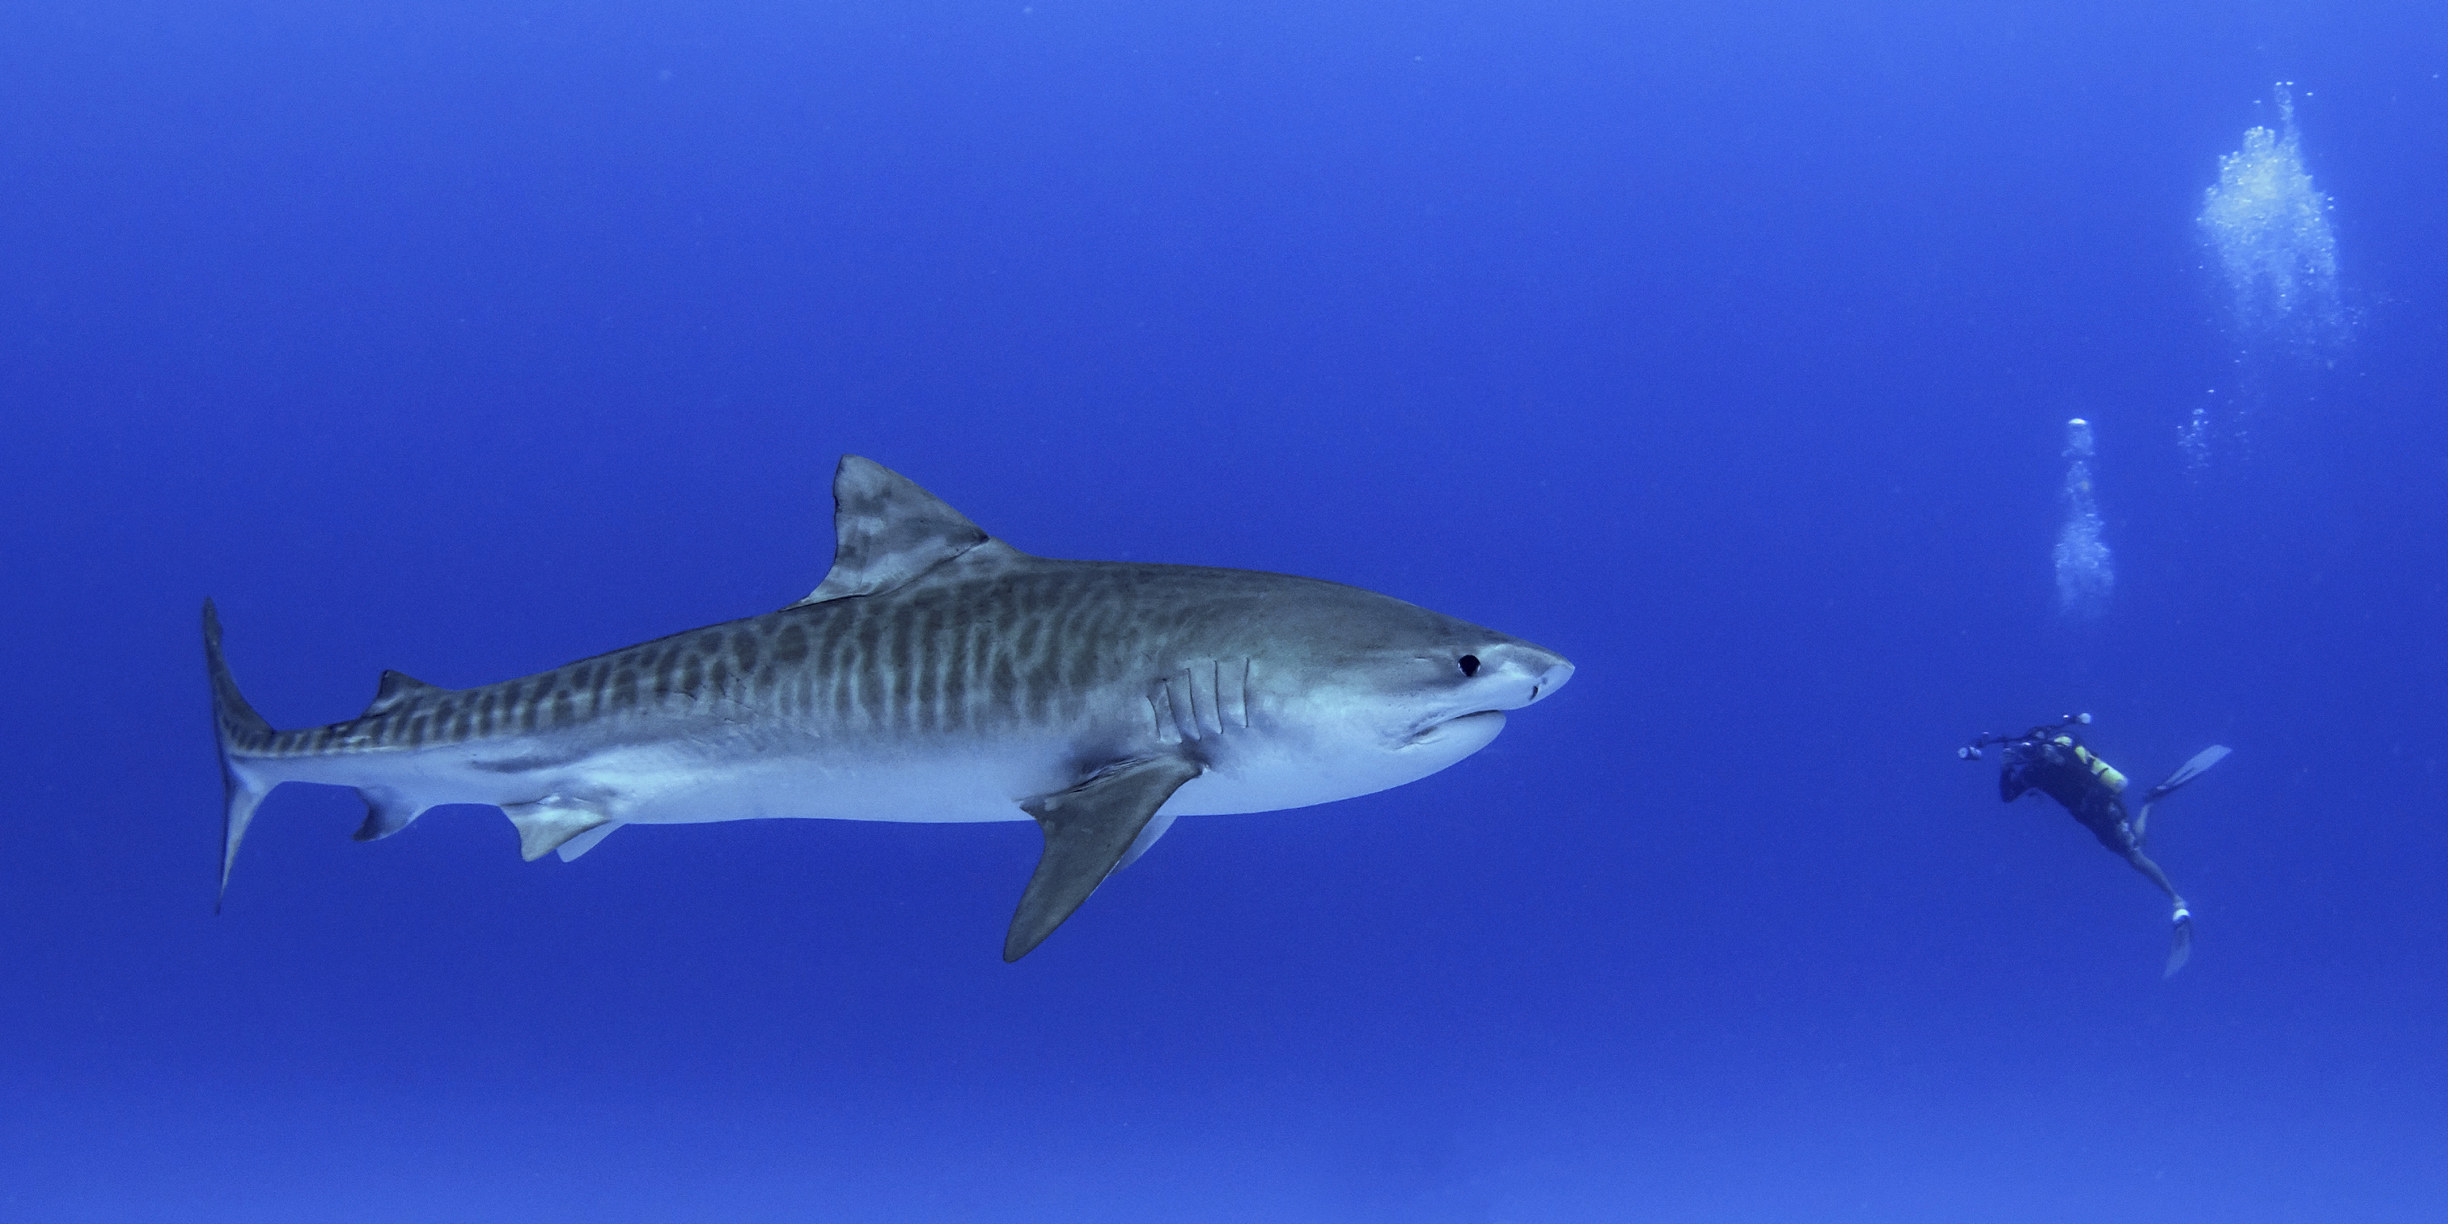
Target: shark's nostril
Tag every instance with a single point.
(1551, 679)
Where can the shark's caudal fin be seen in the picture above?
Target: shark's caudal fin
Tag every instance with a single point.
(239, 730)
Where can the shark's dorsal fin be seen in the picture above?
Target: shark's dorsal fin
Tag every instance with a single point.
(887, 531)
(395, 688)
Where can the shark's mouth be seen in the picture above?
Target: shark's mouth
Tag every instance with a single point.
(1444, 727)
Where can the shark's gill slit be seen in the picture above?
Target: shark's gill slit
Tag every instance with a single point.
(1185, 702)
(1160, 702)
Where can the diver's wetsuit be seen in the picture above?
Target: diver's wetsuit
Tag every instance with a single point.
(2061, 768)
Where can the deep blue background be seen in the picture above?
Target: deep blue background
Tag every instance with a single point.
(1722, 348)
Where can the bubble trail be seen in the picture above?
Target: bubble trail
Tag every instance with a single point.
(2086, 572)
(2269, 227)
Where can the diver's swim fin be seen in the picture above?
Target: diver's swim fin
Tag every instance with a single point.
(2188, 771)
(2180, 945)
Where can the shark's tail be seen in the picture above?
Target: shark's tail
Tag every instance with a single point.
(240, 732)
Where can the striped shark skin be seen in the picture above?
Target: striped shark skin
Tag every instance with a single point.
(936, 674)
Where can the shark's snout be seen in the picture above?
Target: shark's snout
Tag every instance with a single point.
(1508, 676)
(1551, 679)
(1529, 672)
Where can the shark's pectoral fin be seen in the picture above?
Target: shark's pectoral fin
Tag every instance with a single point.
(553, 821)
(1147, 837)
(1087, 829)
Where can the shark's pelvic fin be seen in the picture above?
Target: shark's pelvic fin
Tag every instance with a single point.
(547, 824)
(887, 531)
(571, 849)
(237, 728)
(1087, 828)
(394, 689)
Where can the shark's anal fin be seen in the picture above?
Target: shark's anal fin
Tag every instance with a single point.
(546, 824)
(1087, 829)
(387, 811)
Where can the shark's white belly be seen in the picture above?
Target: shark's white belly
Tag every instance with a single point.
(952, 783)
(1271, 772)
(695, 779)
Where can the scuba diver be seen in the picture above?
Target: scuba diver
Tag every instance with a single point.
(2050, 759)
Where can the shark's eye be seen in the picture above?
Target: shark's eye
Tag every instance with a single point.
(1470, 665)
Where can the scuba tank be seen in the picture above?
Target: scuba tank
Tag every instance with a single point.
(2102, 770)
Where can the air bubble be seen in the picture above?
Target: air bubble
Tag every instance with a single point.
(2086, 571)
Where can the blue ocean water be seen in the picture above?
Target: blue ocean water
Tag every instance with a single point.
(1727, 349)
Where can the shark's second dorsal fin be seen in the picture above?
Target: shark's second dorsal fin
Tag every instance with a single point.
(394, 689)
(887, 531)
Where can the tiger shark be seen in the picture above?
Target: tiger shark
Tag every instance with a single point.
(936, 674)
